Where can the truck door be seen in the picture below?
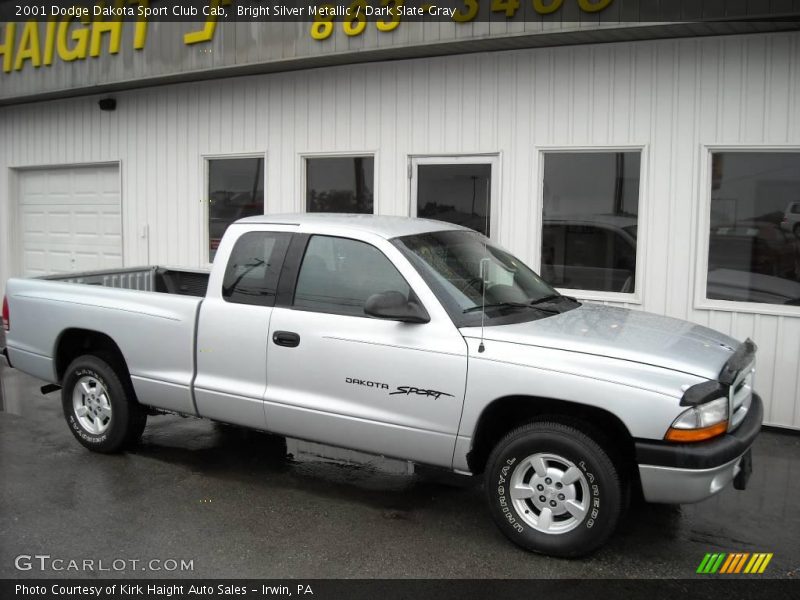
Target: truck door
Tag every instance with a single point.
(338, 376)
(233, 328)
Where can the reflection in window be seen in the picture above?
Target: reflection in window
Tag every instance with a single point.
(339, 274)
(590, 220)
(455, 193)
(754, 237)
(235, 191)
(340, 184)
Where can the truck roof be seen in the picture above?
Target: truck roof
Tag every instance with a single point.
(384, 226)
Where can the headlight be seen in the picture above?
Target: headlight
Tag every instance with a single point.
(700, 422)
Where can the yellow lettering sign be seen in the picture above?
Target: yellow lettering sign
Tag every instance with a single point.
(7, 46)
(543, 7)
(28, 48)
(50, 42)
(593, 5)
(140, 32)
(355, 21)
(206, 34)
(79, 35)
(101, 27)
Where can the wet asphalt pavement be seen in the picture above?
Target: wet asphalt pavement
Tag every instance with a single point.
(231, 501)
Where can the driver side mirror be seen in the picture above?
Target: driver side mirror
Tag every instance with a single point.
(396, 307)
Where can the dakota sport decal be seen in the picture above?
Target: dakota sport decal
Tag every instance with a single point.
(405, 390)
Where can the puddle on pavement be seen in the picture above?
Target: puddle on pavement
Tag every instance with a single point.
(232, 451)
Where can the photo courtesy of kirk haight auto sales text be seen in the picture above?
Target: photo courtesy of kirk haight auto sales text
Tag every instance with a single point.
(161, 591)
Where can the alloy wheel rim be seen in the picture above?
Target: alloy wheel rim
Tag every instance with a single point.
(91, 405)
(550, 493)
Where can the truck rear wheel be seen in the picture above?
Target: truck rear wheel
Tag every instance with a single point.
(552, 489)
(99, 406)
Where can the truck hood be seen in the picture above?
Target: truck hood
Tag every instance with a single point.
(622, 334)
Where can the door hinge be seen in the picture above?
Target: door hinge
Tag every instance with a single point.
(409, 170)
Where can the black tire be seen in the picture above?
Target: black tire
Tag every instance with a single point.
(598, 490)
(127, 419)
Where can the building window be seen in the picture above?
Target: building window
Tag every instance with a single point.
(339, 274)
(235, 191)
(590, 220)
(340, 184)
(251, 275)
(754, 227)
(456, 193)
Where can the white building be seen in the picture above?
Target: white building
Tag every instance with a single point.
(652, 167)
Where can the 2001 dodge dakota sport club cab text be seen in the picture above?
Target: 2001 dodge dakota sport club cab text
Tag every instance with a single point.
(412, 339)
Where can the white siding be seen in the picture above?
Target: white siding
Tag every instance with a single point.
(672, 96)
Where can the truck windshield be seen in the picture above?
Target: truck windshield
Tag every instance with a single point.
(467, 272)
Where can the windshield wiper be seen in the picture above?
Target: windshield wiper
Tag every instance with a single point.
(544, 299)
(509, 305)
(497, 305)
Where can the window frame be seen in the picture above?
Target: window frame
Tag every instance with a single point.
(302, 183)
(299, 268)
(643, 227)
(493, 159)
(703, 235)
(205, 238)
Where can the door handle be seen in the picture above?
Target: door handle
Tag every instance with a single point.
(289, 339)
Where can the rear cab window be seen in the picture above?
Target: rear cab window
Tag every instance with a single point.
(251, 275)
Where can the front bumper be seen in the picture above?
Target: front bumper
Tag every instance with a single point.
(685, 473)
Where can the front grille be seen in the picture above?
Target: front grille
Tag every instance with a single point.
(740, 396)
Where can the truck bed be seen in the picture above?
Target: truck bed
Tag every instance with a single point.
(168, 280)
(150, 313)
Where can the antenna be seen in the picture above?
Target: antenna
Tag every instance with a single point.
(484, 268)
(484, 271)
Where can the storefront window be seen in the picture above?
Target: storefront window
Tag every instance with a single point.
(235, 191)
(456, 193)
(340, 184)
(754, 234)
(590, 220)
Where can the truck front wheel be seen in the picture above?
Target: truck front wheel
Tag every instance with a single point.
(552, 489)
(99, 406)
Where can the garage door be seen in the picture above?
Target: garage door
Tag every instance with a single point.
(69, 219)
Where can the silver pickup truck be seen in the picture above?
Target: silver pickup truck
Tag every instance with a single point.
(412, 339)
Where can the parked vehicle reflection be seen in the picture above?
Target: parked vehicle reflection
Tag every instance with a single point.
(791, 219)
(597, 252)
(749, 261)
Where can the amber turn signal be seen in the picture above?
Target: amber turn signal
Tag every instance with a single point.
(696, 435)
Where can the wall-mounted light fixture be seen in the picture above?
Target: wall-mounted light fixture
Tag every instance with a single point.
(107, 104)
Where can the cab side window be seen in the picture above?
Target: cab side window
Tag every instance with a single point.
(339, 274)
(251, 276)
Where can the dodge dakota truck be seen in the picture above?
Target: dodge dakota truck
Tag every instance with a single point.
(407, 338)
